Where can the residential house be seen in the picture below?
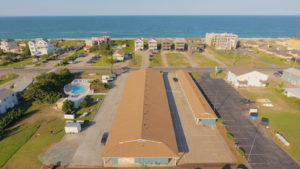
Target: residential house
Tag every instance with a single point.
(89, 43)
(8, 44)
(139, 44)
(72, 128)
(292, 75)
(152, 44)
(8, 99)
(166, 44)
(39, 47)
(292, 92)
(195, 45)
(119, 55)
(246, 78)
(224, 41)
(179, 44)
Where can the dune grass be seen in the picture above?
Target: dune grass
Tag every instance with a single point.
(177, 59)
(201, 60)
(156, 60)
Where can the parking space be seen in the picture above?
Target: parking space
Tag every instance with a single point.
(261, 152)
(197, 144)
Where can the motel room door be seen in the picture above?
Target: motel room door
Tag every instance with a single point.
(126, 161)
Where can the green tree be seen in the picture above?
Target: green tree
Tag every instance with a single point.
(1, 52)
(84, 103)
(67, 105)
(26, 51)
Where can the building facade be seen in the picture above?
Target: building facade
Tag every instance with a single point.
(244, 78)
(292, 92)
(119, 55)
(179, 44)
(224, 41)
(292, 75)
(152, 44)
(139, 44)
(8, 99)
(166, 44)
(142, 132)
(8, 44)
(195, 45)
(39, 47)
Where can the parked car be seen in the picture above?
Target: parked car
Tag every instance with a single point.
(175, 79)
(104, 138)
(278, 74)
(246, 101)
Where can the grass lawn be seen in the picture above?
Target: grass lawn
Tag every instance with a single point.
(88, 75)
(221, 75)
(177, 59)
(284, 116)
(92, 105)
(136, 61)
(196, 76)
(15, 139)
(70, 43)
(276, 60)
(103, 61)
(21, 63)
(129, 43)
(156, 60)
(232, 58)
(7, 77)
(30, 137)
(201, 60)
(28, 154)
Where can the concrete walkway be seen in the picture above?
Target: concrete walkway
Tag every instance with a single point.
(211, 57)
(190, 60)
(164, 59)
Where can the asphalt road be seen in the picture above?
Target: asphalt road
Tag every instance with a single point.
(260, 150)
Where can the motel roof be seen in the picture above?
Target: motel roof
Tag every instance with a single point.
(293, 71)
(143, 125)
(200, 107)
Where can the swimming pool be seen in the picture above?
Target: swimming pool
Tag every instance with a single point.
(77, 89)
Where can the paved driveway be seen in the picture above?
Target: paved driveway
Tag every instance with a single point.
(261, 151)
(197, 144)
(145, 57)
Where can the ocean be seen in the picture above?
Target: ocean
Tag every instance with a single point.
(81, 27)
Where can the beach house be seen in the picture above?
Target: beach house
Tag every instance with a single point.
(8, 44)
(223, 41)
(8, 99)
(139, 44)
(152, 44)
(246, 78)
(119, 55)
(195, 45)
(166, 44)
(179, 44)
(40, 46)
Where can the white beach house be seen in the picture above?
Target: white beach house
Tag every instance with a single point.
(8, 44)
(245, 78)
(139, 44)
(152, 44)
(119, 55)
(8, 99)
(39, 47)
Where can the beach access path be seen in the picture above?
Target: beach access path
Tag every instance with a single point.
(164, 59)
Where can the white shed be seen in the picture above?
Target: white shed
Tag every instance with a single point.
(72, 128)
(244, 78)
(292, 92)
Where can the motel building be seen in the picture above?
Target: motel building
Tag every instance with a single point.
(142, 132)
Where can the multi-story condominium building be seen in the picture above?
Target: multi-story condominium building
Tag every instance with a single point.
(139, 44)
(195, 45)
(8, 99)
(41, 46)
(166, 44)
(8, 44)
(100, 40)
(152, 44)
(224, 41)
(179, 44)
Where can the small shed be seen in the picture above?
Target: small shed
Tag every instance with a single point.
(72, 128)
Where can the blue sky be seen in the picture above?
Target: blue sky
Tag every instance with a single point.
(148, 7)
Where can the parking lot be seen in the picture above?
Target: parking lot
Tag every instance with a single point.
(85, 149)
(197, 144)
(261, 152)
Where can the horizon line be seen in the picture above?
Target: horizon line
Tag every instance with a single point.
(136, 15)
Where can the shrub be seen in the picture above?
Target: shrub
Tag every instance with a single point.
(68, 105)
(84, 104)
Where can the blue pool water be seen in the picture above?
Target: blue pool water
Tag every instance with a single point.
(78, 89)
